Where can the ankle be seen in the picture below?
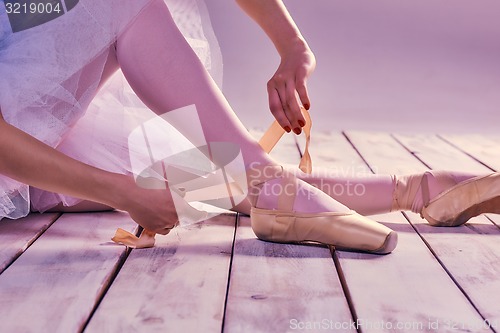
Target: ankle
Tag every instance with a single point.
(407, 193)
(413, 192)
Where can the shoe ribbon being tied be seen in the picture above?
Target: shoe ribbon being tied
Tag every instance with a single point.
(185, 187)
(275, 132)
(267, 142)
(123, 237)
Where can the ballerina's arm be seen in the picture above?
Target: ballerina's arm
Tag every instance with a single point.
(32, 162)
(297, 61)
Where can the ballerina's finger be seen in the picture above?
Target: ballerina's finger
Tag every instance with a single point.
(301, 88)
(123, 237)
(294, 115)
(276, 107)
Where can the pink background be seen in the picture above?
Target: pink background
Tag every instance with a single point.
(393, 65)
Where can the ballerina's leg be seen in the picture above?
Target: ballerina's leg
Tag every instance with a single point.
(166, 75)
(366, 194)
(375, 194)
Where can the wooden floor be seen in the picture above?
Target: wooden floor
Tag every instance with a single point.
(60, 273)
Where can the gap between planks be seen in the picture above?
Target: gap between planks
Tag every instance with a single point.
(16, 236)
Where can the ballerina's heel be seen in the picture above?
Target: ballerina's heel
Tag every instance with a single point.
(463, 201)
(343, 230)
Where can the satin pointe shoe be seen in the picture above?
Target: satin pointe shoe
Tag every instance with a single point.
(453, 206)
(343, 230)
(458, 204)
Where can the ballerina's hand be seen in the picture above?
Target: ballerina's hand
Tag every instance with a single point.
(153, 209)
(287, 83)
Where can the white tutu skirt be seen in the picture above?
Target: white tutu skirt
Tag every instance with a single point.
(49, 77)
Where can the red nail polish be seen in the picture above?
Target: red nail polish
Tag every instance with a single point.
(287, 129)
(297, 130)
(307, 106)
(301, 123)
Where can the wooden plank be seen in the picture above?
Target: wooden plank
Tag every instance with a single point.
(17, 235)
(282, 287)
(495, 219)
(55, 284)
(485, 148)
(470, 253)
(384, 154)
(177, 286)
(384, 290)
(438, 154)
(405, 291)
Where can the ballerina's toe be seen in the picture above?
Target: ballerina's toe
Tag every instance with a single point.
(463, 201)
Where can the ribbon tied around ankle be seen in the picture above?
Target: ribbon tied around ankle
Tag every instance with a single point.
(275, 132)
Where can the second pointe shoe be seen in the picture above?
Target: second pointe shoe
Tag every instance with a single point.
(343, 230)
(455, 205)
(458, 204)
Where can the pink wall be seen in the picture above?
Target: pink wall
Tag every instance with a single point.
(404, 65)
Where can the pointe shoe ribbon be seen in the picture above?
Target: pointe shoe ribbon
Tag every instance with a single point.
(147, 237)
(275, 132)
(123, 237)
(187, 184)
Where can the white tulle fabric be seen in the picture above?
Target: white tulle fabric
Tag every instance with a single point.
(49, 78)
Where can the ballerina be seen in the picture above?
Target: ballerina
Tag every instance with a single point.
(44, 137)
